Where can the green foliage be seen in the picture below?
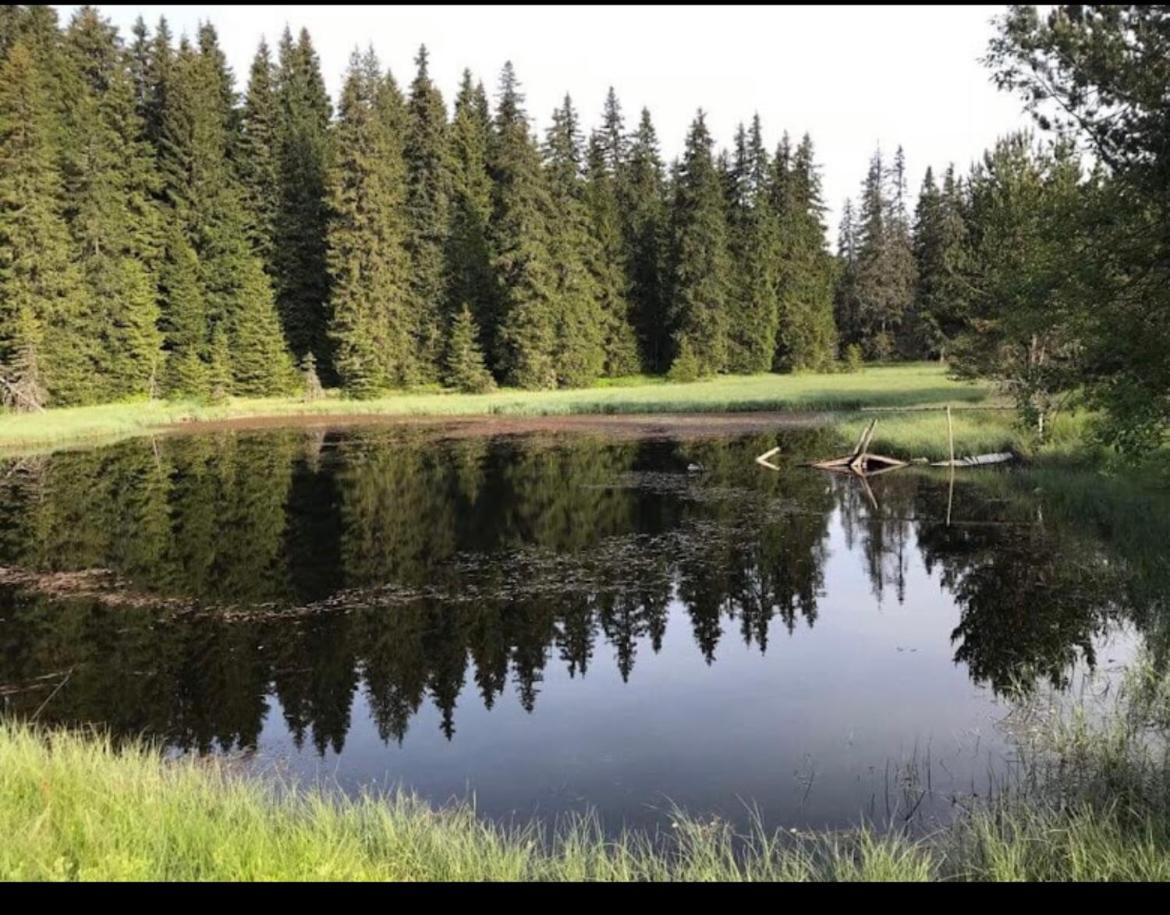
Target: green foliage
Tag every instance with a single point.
(700, 272)
(806, 334)
(1025, 226)
(641, 196)
(1097, 74)
(371, 322)
(464, 367)
(854, 358)
(606, 253)
(310, 379)
(305, 151)
(581, 323)
(469, 259)
(39, 283)
(521, 241)
(754, 246)
(686, 366)
(426, 154)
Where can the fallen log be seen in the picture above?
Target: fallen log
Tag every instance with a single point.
(977, 460)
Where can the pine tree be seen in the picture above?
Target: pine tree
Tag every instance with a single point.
(885, 271)
(469, 261)
(184, 321)
(111, 183)
(207, 201)
(700, 265)
(519, 234)
(368, 262)
(754, 248)
(579, 353)
(806, 335)
(642, 204)
(941, 258)
(39, 285)
(428, 194)
(607, 259)
(152, 74)
(845, 307)
(259, 156)
(464, 367)
(305, 153)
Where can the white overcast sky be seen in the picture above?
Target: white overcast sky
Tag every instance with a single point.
(853, 77)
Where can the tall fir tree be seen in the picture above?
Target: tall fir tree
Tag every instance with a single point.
(428, 201)
(305, 153)
(845, 307)
(368, 262)
(259, 155)
(519, 232)
(207, 201)
(642, 199)
(700, 272)
(608, 261)
(468, 254)
(806, 334)
(885, 271)
(579, 353)
(754, 246)
(111, 184)
(42, 299)
(942, 262)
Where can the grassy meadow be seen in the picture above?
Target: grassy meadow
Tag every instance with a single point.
(892, 387)
(1091, 802)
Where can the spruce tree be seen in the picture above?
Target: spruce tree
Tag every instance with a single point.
(607, 258)
(368, 263)
(41, 296)
(207, 200)
(469, 263)
(259, 156)
(754, 248)
(464, 367)
(579, 353)
(428, 194)
(184, 321)
(845, 307)
(941, 258)
(519, 234)
(806, 335)
(111, 184)
(642, 205)
(885, 271)
(700, 264)
(305, 153)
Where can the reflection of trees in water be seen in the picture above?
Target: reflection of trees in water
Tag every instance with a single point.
(517, 552)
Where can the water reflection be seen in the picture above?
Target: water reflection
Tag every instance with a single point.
(233, 572)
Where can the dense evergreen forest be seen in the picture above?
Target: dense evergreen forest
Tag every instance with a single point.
(164, 235)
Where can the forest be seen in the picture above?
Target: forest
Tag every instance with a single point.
(165, 235)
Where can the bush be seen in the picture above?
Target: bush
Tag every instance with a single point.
(853, 358)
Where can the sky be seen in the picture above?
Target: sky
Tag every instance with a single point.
(854, 78)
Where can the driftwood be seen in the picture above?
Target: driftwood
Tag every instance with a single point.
(859, 461)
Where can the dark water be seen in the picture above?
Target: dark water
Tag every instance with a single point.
(551, 624)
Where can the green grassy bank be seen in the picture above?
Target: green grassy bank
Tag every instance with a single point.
(897, 386)
(1092, 802)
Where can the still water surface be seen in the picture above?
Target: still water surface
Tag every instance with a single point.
(555, 623)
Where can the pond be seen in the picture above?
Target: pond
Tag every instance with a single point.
(551, 623)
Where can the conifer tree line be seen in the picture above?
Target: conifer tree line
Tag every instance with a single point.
(167, 233)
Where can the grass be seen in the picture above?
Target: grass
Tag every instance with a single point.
(893, 386)
(1093, 803)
